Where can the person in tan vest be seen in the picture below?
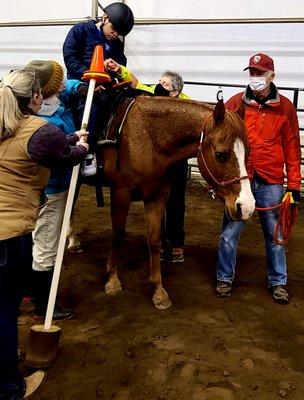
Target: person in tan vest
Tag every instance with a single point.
(29, 147)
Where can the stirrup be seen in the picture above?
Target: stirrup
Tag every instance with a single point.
(101, 142)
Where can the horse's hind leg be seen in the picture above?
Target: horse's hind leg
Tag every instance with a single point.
(73, 243)
(154, 211)
(120, 205)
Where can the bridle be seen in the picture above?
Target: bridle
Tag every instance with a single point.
(214, 184)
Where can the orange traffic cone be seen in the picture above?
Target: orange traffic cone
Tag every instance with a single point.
(97, 70)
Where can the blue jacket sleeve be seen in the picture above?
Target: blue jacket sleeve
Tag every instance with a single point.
(71, 88)
(73, 59)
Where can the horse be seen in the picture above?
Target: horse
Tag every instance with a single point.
(156, 134)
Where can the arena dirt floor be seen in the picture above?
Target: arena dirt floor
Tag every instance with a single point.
(202, 348)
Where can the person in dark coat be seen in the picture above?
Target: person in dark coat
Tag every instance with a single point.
(79, 45)
(78, 49)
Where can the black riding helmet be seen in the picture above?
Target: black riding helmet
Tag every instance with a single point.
(121, 17)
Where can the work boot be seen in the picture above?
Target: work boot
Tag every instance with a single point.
(60, 314)
(32, 382)
(223, 289)
(42, 285)
(279, 294)
(177, 255)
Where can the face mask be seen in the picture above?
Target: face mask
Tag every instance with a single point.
(161, 91)
(257, 83)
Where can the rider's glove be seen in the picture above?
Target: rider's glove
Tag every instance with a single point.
(294, 194)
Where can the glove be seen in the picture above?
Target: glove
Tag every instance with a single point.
(294, 194)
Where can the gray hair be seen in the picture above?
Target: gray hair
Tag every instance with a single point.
(16, 91)
(176, 80)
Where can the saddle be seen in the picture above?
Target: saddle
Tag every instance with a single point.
(116, 122)
(122, 101)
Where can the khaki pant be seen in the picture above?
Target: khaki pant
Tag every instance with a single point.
(47, 232)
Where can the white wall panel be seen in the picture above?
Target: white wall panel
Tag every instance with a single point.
(21, 10)
(214, 53)
(18, 46)
(217, 8)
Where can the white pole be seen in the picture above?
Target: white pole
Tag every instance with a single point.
(67, 216)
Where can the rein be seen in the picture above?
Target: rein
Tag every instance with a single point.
(288, 216)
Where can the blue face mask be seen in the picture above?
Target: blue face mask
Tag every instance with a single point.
(161, 91)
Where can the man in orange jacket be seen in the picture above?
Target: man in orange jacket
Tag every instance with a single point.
(273, 133)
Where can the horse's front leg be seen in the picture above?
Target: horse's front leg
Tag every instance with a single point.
(154, 211)
(120, 205)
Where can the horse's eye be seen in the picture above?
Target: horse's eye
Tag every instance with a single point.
(222, 156)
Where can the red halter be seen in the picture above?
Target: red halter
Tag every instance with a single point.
(215, 185)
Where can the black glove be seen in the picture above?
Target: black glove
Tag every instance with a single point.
(295, 195)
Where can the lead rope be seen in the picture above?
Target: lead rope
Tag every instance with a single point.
(288, 216)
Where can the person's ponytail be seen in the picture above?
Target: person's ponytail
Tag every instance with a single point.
(16, 90)
(10, 113)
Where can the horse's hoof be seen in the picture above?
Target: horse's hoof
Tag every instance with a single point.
(162, 302)
(113, 288)
(74, 246)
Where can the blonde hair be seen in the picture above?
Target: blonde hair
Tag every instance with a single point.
(16, 90)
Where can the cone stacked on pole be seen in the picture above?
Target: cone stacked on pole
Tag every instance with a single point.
(97, 70)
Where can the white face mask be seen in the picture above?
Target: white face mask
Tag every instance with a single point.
(257, 83)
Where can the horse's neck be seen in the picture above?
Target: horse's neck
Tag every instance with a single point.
(181, 140)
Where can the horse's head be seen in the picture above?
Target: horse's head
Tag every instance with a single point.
(221, 160)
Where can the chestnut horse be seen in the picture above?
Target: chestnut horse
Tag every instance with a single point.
(157, 133)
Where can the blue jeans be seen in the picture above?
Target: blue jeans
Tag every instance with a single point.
(14, 254)
(265, 195)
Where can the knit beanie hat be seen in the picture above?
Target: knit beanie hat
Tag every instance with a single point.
(50, 75)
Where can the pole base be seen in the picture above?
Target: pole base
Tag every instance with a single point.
(42, 347)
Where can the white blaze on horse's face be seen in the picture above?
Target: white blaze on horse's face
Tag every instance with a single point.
(245, 200)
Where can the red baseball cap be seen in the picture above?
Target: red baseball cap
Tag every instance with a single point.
(262, 62)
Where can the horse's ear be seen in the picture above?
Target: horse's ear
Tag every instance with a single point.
(219, 112)
(241, 110)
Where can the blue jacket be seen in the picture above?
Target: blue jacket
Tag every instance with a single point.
(79, 46)
(60, 178)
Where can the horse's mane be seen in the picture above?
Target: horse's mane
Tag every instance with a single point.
(233, 125)
(159, 102)
(231, 129)
(236, 127)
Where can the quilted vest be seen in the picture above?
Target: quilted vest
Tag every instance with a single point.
(22, 181)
